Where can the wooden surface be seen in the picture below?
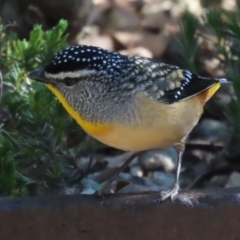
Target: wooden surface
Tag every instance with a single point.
(194, 215)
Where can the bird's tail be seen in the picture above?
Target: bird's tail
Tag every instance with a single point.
(219, 80)
(206, 95)
(223, 81)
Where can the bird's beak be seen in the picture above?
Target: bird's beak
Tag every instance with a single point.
(38, 75)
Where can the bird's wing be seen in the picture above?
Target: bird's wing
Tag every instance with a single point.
(170, 84)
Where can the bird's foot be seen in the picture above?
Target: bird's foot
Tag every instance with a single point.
(107, 189)
(171, 193)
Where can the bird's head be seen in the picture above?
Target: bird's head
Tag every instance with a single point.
(87, 79)
(78, 66)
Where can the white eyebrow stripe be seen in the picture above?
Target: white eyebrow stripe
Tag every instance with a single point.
(74, 74)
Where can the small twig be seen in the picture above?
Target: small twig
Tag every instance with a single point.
(209, 174)
(205, 145)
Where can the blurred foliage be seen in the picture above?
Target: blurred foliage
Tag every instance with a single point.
(189, 44)
(7, 167)
(33, 140)
(225, 27)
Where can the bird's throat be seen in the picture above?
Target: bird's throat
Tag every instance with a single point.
(93, 129)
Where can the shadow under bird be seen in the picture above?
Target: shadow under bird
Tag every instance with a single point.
(131, 103)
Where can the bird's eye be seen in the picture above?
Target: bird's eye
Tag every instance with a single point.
(70, 81)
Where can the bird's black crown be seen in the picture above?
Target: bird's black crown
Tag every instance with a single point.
(81, 57)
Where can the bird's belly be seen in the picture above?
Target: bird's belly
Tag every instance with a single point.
(160, 126)
(140, 138)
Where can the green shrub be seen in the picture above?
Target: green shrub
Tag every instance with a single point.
(32, 142)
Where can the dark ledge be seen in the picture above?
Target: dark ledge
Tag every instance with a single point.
(193, 215)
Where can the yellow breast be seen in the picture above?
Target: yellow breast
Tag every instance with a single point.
(159, 125)
(90, 128)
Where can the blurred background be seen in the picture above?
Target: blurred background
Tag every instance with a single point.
(44, 152)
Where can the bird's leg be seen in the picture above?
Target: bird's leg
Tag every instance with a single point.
(173, 191)
(107, 186)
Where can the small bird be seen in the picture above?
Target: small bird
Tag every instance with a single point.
(131, 103)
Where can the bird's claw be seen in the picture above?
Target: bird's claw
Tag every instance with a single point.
(106, 189)
(171, 193)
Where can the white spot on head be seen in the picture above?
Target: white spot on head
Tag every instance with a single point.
(76, 52)
(65, 60)
(78, 59)
(84, 59)
(178, 92)
(82, 51)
